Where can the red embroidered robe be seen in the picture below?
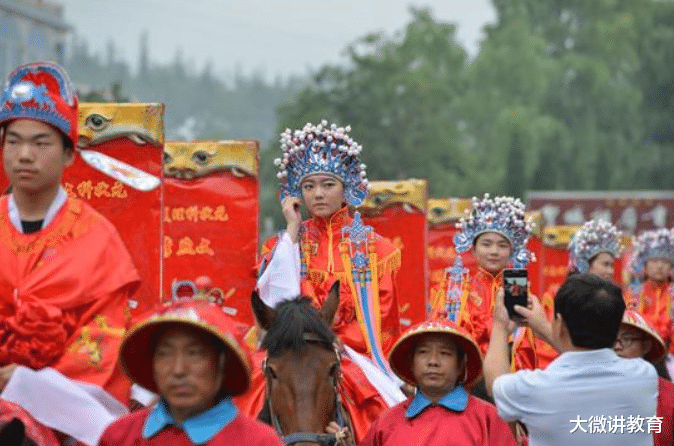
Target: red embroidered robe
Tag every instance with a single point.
(63, 296)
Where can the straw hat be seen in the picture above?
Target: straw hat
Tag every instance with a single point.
(634, 319)
(400, 357)
(136, 349)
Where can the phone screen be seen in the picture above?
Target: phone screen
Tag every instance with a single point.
(515, 286)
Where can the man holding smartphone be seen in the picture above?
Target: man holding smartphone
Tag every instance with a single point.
(587, 384)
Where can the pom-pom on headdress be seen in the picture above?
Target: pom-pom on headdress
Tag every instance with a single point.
(503, 215)
(595, 237)
(41, 91)
(322, 149)
(658, 244)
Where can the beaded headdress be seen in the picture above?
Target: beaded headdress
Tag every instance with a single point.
(595, 237)
(41, 91)
(322, 149)
(658, 244)
(502, 215)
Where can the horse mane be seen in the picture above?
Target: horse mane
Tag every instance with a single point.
(294, 319)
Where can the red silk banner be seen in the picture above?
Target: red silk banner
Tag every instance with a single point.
(211, 221)
(396, 210)
(132, 136)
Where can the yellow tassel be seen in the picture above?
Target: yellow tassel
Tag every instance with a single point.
(390, 264)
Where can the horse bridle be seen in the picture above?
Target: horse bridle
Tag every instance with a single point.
(341, 417)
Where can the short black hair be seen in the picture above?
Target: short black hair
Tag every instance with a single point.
(592, 309)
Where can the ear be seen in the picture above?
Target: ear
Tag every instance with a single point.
(266, 316)
(329, 307)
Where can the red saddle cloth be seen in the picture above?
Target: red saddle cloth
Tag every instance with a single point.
(38, 433)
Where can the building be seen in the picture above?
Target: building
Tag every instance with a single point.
(31, 30)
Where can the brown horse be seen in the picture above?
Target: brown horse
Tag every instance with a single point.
(302, 369)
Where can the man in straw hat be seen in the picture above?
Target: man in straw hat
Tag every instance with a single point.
(637, 339)
(588, 394)
(440, 360)
(188, 354)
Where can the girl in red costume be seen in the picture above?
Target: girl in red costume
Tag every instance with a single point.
(321, 167)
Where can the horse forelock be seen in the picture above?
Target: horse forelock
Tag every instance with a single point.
(295, 318)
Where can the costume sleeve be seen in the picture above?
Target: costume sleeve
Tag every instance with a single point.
(509, 396)
(388, 301)
(279, 278)
(55, 401)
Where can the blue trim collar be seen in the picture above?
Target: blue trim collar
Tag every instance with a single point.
(456, 400)
(200, 429)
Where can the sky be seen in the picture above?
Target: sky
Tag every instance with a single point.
(272, 37)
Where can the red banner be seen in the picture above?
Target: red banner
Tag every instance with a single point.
(397, 211)
(211, 221)
(131, 135)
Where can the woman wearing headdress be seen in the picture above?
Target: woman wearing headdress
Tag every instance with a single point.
(320, 166)
(594, 249)
(497, 232)
(652, 294)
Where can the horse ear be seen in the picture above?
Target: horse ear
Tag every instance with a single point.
(329, 307)
(265, 315)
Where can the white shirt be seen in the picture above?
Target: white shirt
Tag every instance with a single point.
(589, 390)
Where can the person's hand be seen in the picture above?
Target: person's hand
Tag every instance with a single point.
(342, 434)
(6, 373)
(501, 317)
(291, 207)
(534, 316)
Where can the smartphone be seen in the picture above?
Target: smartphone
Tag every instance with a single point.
(515, 286)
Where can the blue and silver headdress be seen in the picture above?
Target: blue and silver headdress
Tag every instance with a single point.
(658, 244)
(595, 237)
(322, 149)
(503, 215)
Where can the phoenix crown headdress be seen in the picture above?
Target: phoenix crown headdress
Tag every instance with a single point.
(595, 237)
(503, 215)
(658, 244)
(322, 149)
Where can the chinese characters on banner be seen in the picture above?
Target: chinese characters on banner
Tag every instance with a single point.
(118, 171)
(210, 221)
(397, 211)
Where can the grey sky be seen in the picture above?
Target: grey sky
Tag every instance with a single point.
(277, 36)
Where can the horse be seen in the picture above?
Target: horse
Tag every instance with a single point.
(302, 370)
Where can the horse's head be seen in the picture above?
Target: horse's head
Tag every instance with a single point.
(302, 366)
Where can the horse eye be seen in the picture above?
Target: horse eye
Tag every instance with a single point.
(96, 122)
(201, 157)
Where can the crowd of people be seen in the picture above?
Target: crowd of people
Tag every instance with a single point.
(589, 369)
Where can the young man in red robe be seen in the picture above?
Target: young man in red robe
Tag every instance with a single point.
(65, 275)
(439, 359)
(637, 339)
(190, 354)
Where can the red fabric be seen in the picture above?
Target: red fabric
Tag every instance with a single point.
(477, 425)
(40, 434)
(408, 231)
(362, 401)
(666, 411)
(546, 354)
(218, 212)
(654, 303)
(135, 214)
(535, 269)
(128, 431)
(63, 296)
